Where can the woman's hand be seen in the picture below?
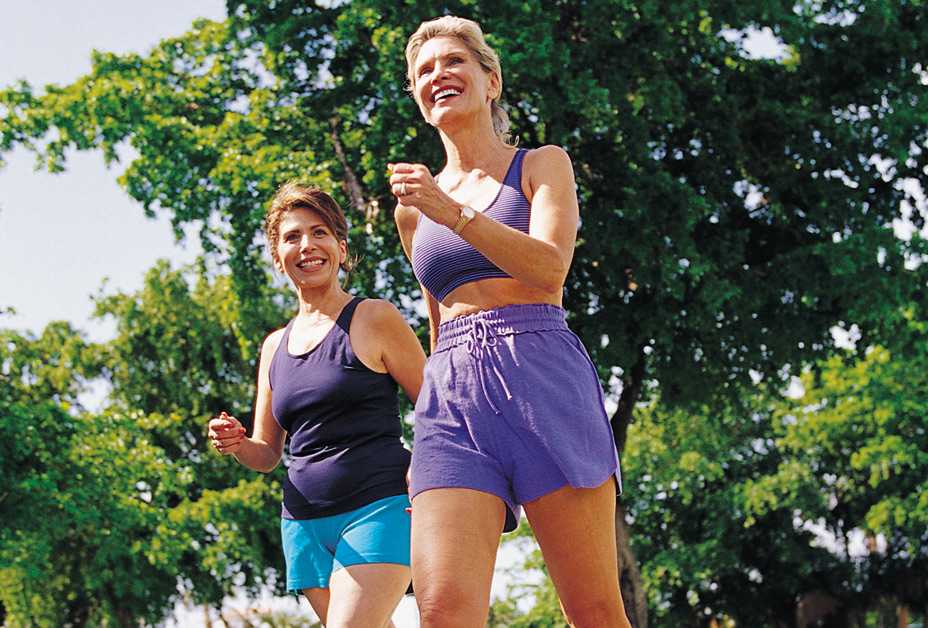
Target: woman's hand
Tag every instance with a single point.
(226, 433)
(414, 186)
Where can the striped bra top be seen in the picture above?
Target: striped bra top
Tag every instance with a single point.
(442, 260)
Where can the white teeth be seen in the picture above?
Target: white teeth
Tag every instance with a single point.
(312, 262)
(450, 91)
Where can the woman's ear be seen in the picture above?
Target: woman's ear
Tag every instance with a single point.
(493, 88)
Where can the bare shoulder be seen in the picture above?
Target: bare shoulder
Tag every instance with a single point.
(270, 344)
(406, 218)
(377, 314)
(546, 165)
(547, 157)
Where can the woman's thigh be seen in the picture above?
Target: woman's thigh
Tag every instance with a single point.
(319, 600)
(455, 535)
(365, 595)
(575, 528)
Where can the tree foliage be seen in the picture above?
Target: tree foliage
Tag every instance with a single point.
(855, 463)
(735, 206)
(111, 515)
(71, 549)
(748, 509)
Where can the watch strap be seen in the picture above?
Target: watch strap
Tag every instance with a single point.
(467, 214)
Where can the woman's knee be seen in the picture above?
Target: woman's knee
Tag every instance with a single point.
(452, 606)
(595, 613)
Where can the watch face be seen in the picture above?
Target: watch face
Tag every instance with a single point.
(468, 212)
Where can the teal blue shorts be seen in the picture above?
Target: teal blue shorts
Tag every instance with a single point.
(314, 548)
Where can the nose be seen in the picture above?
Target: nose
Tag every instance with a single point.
(306, 242)
(440, 71)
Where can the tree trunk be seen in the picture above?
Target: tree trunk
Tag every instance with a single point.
(352, 186)
(633, 594)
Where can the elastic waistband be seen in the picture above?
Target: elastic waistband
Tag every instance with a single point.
(503, 321)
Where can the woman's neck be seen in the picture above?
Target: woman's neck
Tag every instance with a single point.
(318, 304)
(472, 147)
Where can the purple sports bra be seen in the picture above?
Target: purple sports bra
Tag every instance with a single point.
(442, 261)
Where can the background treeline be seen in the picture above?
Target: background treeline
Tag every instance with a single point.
(736, 209)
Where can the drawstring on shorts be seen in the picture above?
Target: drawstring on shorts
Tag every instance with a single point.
(479, 334)
(480, 343)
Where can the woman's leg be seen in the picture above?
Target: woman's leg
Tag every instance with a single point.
(319, 600)
(575, 528)
(365, 596)
(455, 535)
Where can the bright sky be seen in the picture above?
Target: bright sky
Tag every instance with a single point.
(61, 235)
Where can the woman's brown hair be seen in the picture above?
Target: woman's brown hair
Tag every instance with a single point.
(295, 195)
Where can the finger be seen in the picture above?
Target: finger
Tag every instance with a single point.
(408, 177)
(223, 446)
(229, 421)
(403, 168)
(226, 430)
(234, 437)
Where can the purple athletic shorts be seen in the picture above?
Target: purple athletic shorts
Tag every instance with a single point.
(511, 405)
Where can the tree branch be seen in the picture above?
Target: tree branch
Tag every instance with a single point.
(352, 187)
(631, 391)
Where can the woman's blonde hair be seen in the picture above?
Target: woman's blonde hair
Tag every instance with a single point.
(295, 195)
(470, 34)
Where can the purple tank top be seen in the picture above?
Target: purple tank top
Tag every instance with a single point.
(442, 261)
(343, 423)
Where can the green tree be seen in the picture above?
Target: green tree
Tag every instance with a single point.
(854, 452)
(179, 357)
(734, 208)
(71, 549)
(752, 509)
(702, 557)
(111, 515)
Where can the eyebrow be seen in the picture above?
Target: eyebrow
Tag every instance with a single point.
(315, 225)
(453, 53)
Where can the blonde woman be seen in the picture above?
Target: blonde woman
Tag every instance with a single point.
(511, 411)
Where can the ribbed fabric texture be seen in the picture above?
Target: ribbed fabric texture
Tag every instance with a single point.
(442, 261)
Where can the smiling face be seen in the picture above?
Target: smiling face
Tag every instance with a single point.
(449, 82)
(307, 250)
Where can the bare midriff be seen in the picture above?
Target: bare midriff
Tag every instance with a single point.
(489, 294)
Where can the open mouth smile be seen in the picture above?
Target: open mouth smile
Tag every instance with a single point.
(447, 92)
(310, 264)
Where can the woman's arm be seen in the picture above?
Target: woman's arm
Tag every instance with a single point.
(263, 450)
(434, 317)
(407, 218)
(398, 348)
(540, 258)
